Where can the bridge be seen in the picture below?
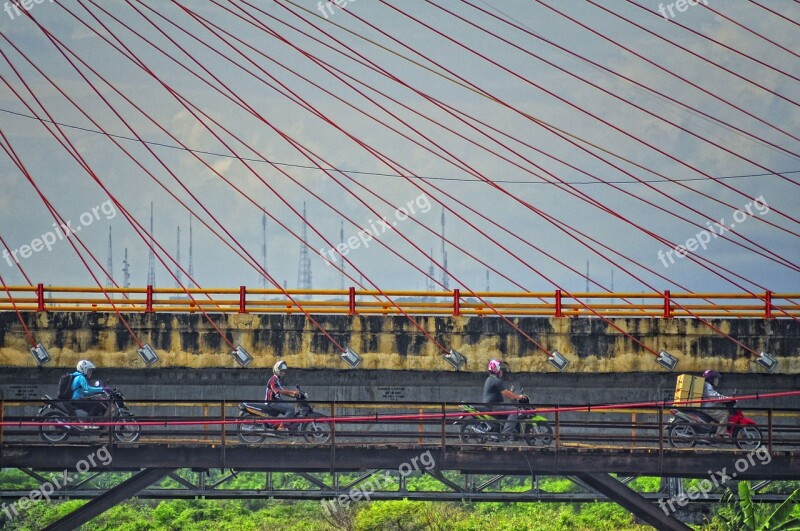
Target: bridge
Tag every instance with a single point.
(587, 444)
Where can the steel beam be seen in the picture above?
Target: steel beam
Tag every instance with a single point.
(783, 465)
(118, 494)
(632, 501)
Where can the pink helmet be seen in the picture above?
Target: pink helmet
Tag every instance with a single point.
(495, 366)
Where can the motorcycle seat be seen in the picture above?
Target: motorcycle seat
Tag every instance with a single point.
(265, 409)
(700, 413)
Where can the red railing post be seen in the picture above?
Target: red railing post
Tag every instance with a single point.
(242, 299)
(149, 307)
(667, 305)
(351, 308)
(768, 305)
(558, 304)
(40, 298)
(456, 302)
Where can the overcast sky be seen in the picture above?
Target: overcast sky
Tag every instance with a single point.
(441, 107)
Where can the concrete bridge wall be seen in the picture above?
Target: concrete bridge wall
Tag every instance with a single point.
(393, 343)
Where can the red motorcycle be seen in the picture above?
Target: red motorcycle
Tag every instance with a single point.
(691, 426)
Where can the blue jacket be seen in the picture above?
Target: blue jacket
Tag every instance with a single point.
(81, 388)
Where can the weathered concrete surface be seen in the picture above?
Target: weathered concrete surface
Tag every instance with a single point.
(343, 385)
(592, 345)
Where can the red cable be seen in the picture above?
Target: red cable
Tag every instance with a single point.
(483, 133)
(704, 59)
(637, 107)
(30, 283)
(586, 306)
(19, 315)
(590, 153)
(410, 417)
(714, 328)
(732, 21)
(776, 13)
(13, 155)
(654, 91)
(278, 195)
(134, 224)
(566, 101)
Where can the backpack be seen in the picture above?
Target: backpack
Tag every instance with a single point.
(65, 386)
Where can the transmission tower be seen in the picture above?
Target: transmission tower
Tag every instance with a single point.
(304, 271)
(126, 272)
(151, 261)
(178, 277)
(445, 278)
(110, 263)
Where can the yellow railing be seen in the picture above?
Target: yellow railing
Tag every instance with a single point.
(396, 302)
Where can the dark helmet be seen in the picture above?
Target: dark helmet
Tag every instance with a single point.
(713, 377)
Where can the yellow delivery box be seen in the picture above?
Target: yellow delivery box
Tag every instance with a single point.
(689, 387)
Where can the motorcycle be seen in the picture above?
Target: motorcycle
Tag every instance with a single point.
(252, 430)
(61, 417)
(477, 428)
(688, 427)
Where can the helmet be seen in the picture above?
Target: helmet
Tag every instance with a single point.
(712, 376)
(85, 367)
(495, 366)
(278, 367)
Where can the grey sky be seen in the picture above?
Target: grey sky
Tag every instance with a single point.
(24, 218)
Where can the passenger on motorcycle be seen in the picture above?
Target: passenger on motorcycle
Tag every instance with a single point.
(276, 392)
(81, 390)
(495, 390)
(713, 379)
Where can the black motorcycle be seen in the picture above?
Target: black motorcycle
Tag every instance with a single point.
(64, 417)
(253, 429)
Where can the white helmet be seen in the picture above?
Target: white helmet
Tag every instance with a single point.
(278, 367)
(85, 367)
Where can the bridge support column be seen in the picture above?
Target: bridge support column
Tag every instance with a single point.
(102, 503)
(632, 501)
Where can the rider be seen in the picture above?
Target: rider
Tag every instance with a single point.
(713, 379)
(81, 390)
(276, 392)
(495, 390)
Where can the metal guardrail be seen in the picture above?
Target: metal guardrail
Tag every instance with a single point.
(556, 303)
(216, 423)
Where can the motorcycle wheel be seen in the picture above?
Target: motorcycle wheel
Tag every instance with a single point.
(316, 432)
(747, 437)
(249, 433)
(682, 435)
(538, 434)
(129, 431)
(469, 433)
(53, 433)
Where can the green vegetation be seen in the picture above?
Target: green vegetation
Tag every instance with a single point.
(401, 515)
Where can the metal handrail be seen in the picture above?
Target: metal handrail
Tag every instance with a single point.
(352, 422)
(371, 302)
